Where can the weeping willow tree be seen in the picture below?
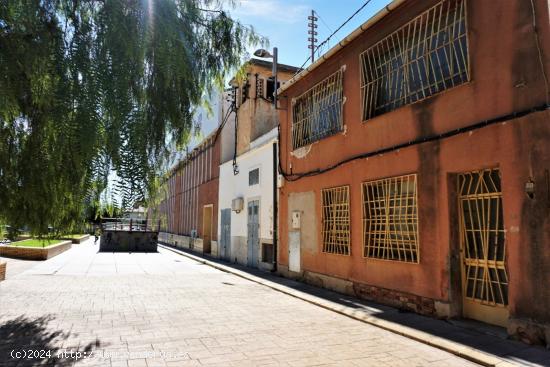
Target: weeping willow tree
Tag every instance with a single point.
(88, 87)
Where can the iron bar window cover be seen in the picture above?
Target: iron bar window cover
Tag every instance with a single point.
(336, 220)
(259, 88)
(390, 219)
(426, 56)
(317, 113)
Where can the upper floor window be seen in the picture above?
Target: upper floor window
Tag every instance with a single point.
(425, 56)
(244, 91)
(270, 88)
(254, 177)
(318, 112)
(259, 88)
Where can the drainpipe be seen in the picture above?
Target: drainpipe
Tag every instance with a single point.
(275, 209)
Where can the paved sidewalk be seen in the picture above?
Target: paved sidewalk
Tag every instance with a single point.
(164, 309)
(17, 266)
(483, 344)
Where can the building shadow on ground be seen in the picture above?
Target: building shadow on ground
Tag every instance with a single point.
(486, 338)
(31, 342)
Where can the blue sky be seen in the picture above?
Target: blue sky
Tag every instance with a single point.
(284, 22)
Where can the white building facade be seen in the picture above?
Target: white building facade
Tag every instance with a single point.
(246, 190)
(246, 206)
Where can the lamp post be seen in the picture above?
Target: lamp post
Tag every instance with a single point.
(265, 54)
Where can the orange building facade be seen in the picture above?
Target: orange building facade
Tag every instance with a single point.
(416, 156)
(189, 207)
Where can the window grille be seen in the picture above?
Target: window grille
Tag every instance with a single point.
(244, 91)
(427, 55)
(390, 219)
(336, 220)
(259, 88)
(254, 177)
(318, 112)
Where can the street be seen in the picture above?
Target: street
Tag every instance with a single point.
(86, 308)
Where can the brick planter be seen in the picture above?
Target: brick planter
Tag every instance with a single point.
(35, 253)
(79, 239)
(2, 270)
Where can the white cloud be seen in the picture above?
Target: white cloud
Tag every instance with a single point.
(274, 10)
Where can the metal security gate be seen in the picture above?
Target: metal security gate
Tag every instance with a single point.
(253, 240)
(483, 247)
(225, 240)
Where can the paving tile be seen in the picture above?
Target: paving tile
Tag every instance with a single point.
(167, 310)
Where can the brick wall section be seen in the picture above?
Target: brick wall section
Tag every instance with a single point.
(2, 270)
(404, 301)
(35, 253)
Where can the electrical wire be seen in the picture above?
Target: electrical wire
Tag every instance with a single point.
(322, 20)
(537, 43)
(297, 176)
(235, 165)
(327, 27)
(333, 33)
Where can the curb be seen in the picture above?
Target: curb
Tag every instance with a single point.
(457, 349)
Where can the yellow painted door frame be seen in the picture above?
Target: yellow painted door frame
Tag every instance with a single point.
(483, 247)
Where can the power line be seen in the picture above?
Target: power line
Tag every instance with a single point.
(333, 33)
(319, 52)
(421, 140)
(322, 20)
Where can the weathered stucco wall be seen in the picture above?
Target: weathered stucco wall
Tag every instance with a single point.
(506, 77)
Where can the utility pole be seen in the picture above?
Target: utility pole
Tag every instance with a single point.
(312, 25)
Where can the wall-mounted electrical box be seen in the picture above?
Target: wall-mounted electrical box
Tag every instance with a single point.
(296, 219)
(237, 204)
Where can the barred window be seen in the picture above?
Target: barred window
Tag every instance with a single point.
(270, 88)
(259, 88)
(427, 55)
(390, 219)
(318, 112)
(336, 220)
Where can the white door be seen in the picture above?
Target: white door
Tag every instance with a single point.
(294, 251)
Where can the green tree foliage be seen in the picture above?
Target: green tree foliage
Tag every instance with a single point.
(91, 86)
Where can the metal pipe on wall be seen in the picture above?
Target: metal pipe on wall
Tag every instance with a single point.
(275, 206)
